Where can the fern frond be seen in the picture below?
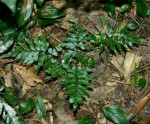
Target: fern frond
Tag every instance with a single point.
(36, 51)
(8, 113)
(76, 45)
(77, 83)
(77, 38)
(30, 51)
(115, 40)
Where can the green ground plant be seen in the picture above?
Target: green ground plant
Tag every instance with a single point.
(12, 108)
(19, 16)
(125, 6)
(38, 51)
(68, 61)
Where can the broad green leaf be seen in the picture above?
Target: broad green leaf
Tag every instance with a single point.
(7, 27)
(142, 83)
(110, 8)
(40, 106)
(50, 12)
(26, 106)
(11, 99)
(6, 42)
(24, 11)
(11, 4)
(46, 22)
(116, 115)
(8, 114)
(124, 7)
(142, 9)
(40, 2)
(132, 26)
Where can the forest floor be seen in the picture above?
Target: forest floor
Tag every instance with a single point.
(108, 87)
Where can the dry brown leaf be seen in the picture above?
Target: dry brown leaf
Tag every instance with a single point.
(1, 73)
(141, 104)
(124, 23)
(27, 78)
(133, 10)
(128, 62)
(117, 61)
(30, 78)
(126, 66)
(63, 117)
(6, 76)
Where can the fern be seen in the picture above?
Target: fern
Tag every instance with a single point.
(36, 51)
(54, 71)
(76, 44)
(115, 40)
(77, 83)
(8, 113)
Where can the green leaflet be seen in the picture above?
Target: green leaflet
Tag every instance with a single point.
(76, 83)
(40, 106)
